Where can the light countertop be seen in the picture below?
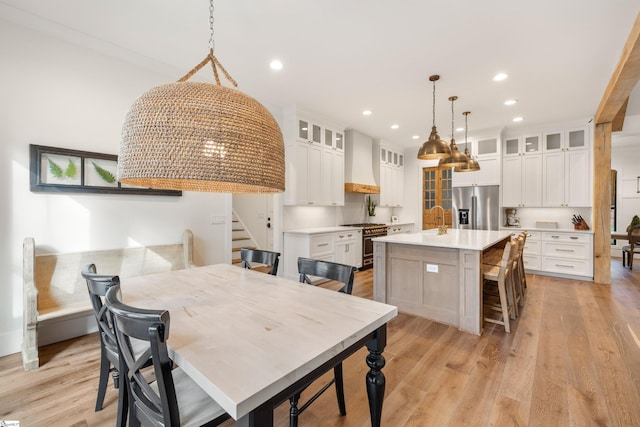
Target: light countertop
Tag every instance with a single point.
(455, 238)
(322, 230)
(552, 230)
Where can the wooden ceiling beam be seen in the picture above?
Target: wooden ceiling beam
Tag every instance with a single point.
(618, 121)
(623, 80)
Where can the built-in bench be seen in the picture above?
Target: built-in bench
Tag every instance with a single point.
(54, 290)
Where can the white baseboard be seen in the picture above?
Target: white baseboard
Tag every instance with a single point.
(11, 342)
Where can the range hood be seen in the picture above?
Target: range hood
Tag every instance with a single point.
(358, 164)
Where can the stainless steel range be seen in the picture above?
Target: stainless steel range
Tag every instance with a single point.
(369, 231)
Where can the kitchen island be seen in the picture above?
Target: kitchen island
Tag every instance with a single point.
(438, 277)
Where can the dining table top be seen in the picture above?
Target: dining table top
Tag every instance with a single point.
(619, 236)
(244, 336)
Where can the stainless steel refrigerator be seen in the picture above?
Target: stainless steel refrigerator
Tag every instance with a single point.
(476, 208)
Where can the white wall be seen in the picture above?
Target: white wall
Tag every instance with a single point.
(58, 94)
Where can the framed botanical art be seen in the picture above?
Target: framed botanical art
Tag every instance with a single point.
(61, 170)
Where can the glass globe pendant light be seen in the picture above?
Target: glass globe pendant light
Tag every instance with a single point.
(434, 147)
(457, 159)
(472, 165)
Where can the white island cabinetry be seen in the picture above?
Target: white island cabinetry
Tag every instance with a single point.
(438, 277)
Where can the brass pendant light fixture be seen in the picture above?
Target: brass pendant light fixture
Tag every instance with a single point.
(434, 147)
(457, 159)
(472, 165)
(201, 137)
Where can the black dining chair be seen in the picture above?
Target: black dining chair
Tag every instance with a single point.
(166, 396)
(259, 256)
(97, 285)
(332, 271)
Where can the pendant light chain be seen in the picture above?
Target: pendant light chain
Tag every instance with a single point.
(212, 43)
(210, 58)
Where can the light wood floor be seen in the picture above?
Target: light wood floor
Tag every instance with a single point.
(573, 359)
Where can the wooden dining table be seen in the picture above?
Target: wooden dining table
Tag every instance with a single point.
(619, 236)
(251, 340)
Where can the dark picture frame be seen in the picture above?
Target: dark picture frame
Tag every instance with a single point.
(60, 170)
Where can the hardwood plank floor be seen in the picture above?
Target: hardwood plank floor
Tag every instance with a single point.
(572, 359)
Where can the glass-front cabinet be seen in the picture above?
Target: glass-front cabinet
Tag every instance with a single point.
(522, 145)
(309, 132)
(565, 140)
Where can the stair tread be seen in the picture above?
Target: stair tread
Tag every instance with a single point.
(242, 247)
(239, 238)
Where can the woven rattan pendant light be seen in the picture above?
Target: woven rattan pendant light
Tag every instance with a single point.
(457, 159)
(201, 137)
(472, 165)
(434, 147)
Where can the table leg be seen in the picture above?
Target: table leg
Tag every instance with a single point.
(262, 416)
(375, 378)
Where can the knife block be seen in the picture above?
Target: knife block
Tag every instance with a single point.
(582, 225)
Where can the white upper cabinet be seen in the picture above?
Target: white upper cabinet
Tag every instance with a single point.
(314, 151)
(486, 150)
(529, 144)
(554, 168)
(566, 140)
(522, 181)
(567, 168)
(388, 169)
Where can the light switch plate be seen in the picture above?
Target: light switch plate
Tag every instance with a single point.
(217, 219)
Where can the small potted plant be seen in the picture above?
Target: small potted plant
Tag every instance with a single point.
(371, 207)
(634, 221)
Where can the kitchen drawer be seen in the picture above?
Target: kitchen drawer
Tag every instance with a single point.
(531, 262)
(533, 236)
(322, 244)
(566, 237)
(531, 247)
(566, 266)
(565, 250)
(342, 236)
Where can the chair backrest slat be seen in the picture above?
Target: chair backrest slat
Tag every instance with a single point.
(261, 257)
(328, 270)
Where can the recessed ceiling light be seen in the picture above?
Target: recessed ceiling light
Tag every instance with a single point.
(415, 136)
(499, 77)
(366, 113)
(510, 102)
(395, 126)
(276, 64)
(459, 129)
(517, 119)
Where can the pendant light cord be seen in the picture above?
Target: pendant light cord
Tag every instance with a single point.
(452, 100)
(465, 130)
(434, 103)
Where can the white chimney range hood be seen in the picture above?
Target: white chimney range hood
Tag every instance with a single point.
(358, 165)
